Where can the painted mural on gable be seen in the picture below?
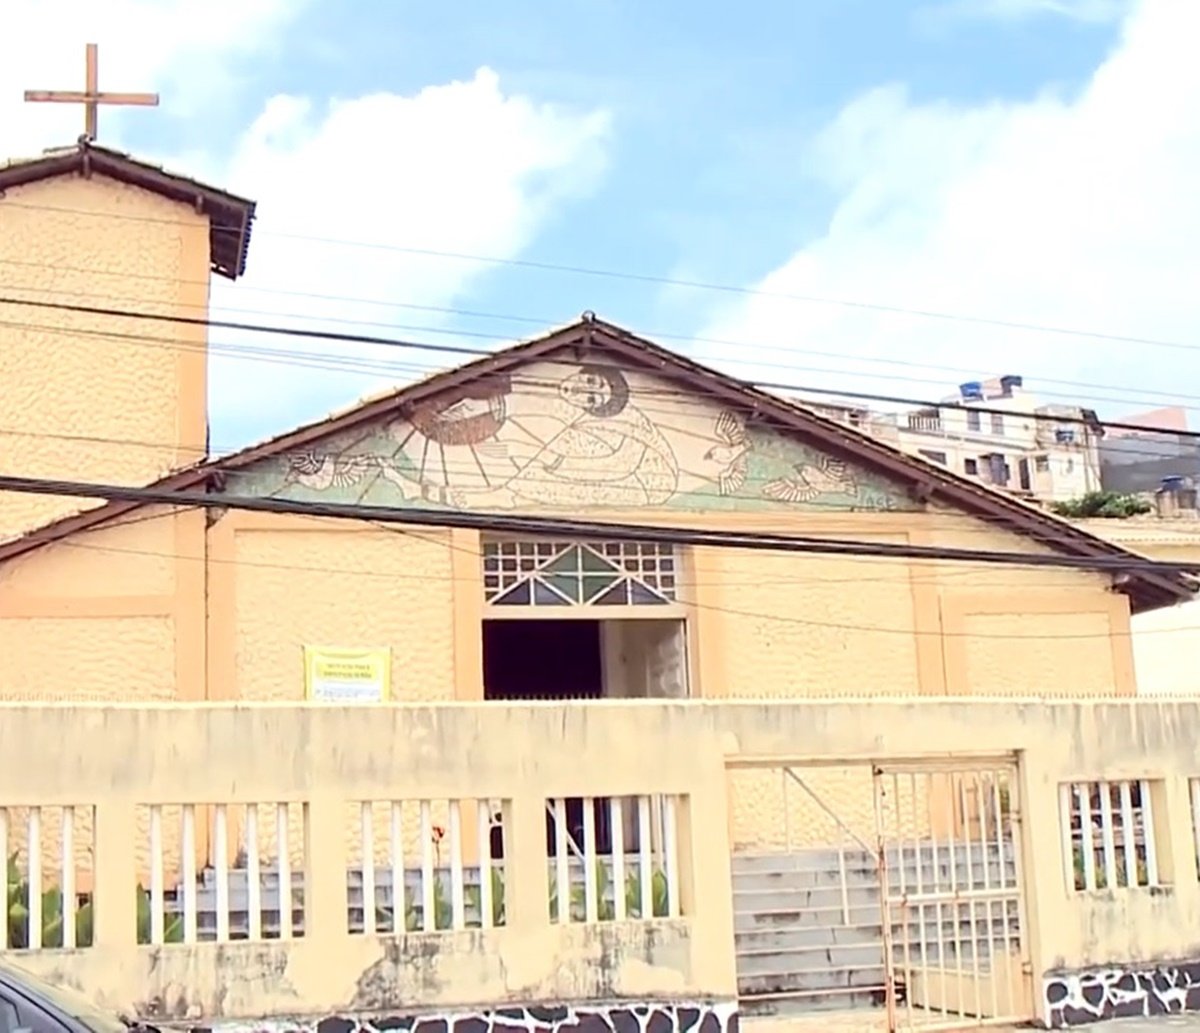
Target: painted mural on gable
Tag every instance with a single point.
(571, 437)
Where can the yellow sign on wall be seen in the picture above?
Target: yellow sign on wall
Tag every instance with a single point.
(347, 675)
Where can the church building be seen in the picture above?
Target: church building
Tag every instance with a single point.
(106, 262)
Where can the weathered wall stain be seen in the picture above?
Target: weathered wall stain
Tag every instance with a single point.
(1120, 992)
(625, 1017)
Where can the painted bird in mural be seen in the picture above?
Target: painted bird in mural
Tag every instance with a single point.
(825, 477)
(731, 454)
(321, 472)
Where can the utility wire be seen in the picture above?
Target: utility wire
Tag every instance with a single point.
(574, 528)
(949, 372)
(369, 339)
(785, 619)
(666, 281)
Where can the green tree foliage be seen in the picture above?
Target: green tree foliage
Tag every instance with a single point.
(1110, 504)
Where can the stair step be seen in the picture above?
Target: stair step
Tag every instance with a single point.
(841, 937)
(812, 982)
(786, 1005)
(822, 858)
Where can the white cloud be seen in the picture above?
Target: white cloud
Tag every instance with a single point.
(1092, 11)
(1070, 211)
(462, 167)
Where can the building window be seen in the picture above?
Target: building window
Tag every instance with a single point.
(1070, 464)
(972, 420)
(1042, 464)
(546, 573)
(971, 466)
(937, 457)
(997, 424)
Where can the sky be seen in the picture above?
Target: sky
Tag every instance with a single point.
(853, 195)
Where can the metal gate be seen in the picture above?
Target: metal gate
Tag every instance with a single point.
(898, 889)
(951, 891)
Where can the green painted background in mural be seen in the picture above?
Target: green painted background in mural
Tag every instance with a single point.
(571, 438)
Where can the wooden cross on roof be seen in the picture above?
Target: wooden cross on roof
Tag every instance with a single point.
(91, 97)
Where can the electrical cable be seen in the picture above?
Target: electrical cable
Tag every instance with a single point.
(574, 528)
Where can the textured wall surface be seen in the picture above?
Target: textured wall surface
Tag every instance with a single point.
(94, 617)
(1120, 992)
(326, 584)
(89, 394)
(625, 1017)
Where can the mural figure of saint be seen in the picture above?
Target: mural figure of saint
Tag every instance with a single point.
(591, 447)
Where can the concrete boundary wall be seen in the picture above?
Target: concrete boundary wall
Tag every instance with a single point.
(116, 758)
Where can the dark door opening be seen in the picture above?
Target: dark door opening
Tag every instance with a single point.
(542, 659)
(548, 660)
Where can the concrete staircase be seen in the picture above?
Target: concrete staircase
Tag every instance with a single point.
(796, 951)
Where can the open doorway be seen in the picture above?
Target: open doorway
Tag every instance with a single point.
(550, 659)
(579, 659)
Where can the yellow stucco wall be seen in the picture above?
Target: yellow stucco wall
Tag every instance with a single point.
(1164, 641)
(763, 625)
(249, 752)
(115, 399)
(111, 614)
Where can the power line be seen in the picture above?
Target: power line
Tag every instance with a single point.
(664, 281)
(574, 528)
(544, 322)
(775, 618)
(392, 342)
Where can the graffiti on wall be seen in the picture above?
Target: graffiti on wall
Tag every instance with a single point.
(556, 436)
(697, 1017)
(1076, 998)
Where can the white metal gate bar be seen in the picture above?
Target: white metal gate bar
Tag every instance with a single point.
(948, 843)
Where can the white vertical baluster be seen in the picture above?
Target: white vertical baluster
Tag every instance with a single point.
(189, 873)
(428, 902)
(283, 864)
(953, 853)
(366, 820)
(972, 919)
(483, 820)
(645, 858)
(984, 850)
(1148, 834)
(156, 874)
(590, 903)
(939, 886)
(399, 890)
(1128, 833)
(617, 821)
(1194, 791)
(4, 885)
(671, 855)
(67, 886)
(562, 867)
(34, 879)
(1086, 840)
(458, 907)
(1010, 1005)
(1107, 841)
(1065, 814)
(221, 849)
(914, 794)
(253, 875)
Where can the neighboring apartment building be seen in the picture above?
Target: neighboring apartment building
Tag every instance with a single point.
(995, 431)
